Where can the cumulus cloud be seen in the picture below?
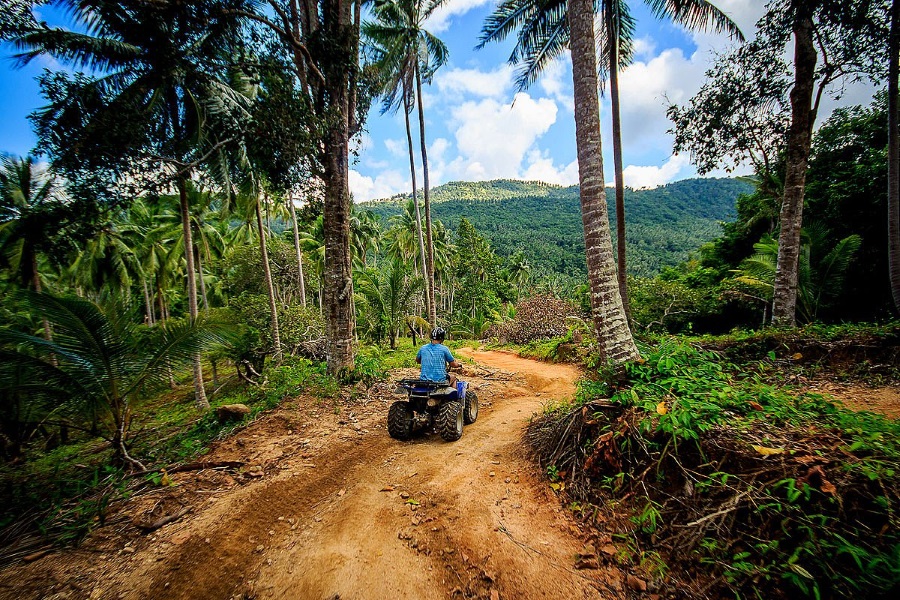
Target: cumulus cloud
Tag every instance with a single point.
(493, 138)
(556, 81)
(473, 82)
(542, 168)
(651, 176)
(384, 185)
(440, 19)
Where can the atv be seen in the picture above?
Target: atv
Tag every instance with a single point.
(432, 404)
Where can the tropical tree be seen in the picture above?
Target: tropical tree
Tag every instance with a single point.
(158, 103)
(539, 41)
(544, 34)
(97, 361)
(387, 293)
(893, 91)
(784, 102)
(399, 45)
(33, 214)
(320, 40)
(822, 269)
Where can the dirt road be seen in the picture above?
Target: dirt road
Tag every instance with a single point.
(328, 506)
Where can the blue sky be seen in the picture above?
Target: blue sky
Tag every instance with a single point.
(479, 128)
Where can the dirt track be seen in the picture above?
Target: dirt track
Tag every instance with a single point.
(329, 506)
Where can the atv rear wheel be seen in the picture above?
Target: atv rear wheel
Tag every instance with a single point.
(400, 420)
(450, 421)
(470, 414)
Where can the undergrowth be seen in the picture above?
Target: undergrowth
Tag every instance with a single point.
(752, 490)
(61, 494)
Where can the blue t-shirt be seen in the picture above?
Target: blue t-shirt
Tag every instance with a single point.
(434, 359)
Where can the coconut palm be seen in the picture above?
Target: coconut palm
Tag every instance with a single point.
(823, 268)
(100, 360)
(32, 209)
(894, 153)
(158, 100)
(544, 31)
(406, 54)
(388, 294)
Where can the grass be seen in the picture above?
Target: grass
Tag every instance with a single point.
(65, 492)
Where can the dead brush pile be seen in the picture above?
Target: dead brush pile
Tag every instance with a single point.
(715, 484)
(537, 318)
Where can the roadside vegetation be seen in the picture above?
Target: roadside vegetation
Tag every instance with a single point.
(184, 255)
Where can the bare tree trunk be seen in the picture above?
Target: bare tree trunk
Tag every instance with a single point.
(426, 191)
(297, 248)
(270, 288)
(613, 334)
(784, 306)
(202, 284)
(199, 390)
(612, 31)
(412, 174)
(894, 154)
(148, 302)
(36, 282)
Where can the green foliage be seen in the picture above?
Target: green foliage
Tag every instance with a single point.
(820, 531)
(664, 224)
(97, 363)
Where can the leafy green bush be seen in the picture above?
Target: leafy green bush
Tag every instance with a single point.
(778, 493)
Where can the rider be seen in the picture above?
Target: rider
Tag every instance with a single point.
(435, 357)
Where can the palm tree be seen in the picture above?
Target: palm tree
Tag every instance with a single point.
(388, 293)
(101, 362)
(406, 54)
(823, 268)
(32, 208)
(894, 153)
(536, 48)
(159, 81)
(544, 34)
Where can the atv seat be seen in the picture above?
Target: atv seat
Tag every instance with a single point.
(423, 383)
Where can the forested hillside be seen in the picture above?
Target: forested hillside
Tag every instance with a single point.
(663, 225)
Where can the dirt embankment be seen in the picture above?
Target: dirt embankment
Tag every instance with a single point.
(326, 505)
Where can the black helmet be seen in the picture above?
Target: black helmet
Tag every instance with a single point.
(438, 334)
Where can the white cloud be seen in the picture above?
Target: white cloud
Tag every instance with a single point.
(644, 48)
(650, 176)
(397, 148)
(493, 138)
(384, 185)
(541, 168)
(440, 19)
(484, 84)
(556, 81)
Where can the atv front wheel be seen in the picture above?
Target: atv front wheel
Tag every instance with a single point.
(400, 420)
(450, 421)
(470, 414)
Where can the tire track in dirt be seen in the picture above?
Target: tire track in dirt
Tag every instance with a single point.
(484, 524)
(374, 518)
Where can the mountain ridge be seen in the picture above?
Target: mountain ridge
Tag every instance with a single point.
(663, 224)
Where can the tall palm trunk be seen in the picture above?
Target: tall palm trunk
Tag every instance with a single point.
(297, 248)
(148, 302)
(613, 334)
(894, 154)
(412, 174)
(36, 282)
(270, 288)
(612, 32)
(202, 283)
(784, 305)
(426, 192)
(199, 390)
